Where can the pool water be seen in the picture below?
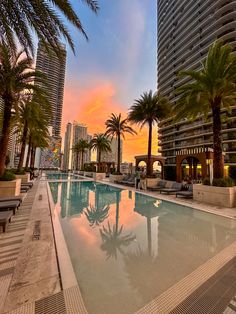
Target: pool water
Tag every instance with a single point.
(127, 248)
(63, 176)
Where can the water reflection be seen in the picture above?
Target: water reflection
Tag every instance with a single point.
(96, 215)
(127, 248)
(112, 239)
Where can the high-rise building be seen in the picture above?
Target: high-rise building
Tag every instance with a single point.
(74, 132)
(54, 69)
(112, 156)
(186, 29)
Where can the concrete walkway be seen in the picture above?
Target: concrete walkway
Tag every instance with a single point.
(28, 264)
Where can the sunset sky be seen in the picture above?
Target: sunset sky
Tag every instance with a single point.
(113, 68)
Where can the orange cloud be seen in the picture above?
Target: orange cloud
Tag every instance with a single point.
(92, 105)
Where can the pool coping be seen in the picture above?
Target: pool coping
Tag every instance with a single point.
(170, 298)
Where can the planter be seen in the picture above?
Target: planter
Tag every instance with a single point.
(25, 178)
(219, 196)
(98, 176)
(10, 188)
(88, 174)
(115, 177)
(152, 182)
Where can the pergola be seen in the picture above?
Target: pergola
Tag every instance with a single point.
(202, 155)
(154, 158)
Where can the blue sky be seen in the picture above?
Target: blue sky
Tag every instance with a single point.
(119, 60)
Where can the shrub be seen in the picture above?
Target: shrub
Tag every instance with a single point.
(223, 182)
(89, 168)
(20, 171)
(8, 176)
(232, 172)
(206, 181)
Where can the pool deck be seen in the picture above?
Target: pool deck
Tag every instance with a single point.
(30, 279)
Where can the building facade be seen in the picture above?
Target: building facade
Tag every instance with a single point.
(54, 69)
(186, 29)
(113, 155)
(74, 132)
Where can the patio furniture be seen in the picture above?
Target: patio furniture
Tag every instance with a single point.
(160, 185)
(5, 218)
(10, 198)
(24, 189)
(186, 194)
(176, 187)
(29, 184)
(129, 180)
(10, 205)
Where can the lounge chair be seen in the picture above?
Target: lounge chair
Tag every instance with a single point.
(186, 194)
(129, 180)
(176, 187)
(29, 184)
(5, 218)
(160, 185)
(10, 198)
(10, 205)
(24, 189)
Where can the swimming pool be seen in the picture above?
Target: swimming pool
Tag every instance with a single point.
(127, 248)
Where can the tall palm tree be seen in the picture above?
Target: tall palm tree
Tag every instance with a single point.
(116, 127)
(212, 88)
(39, 139)
(21, 18)
(16, 79)
(149, 109)
(80, 148)
(31, 114)
(101, 144)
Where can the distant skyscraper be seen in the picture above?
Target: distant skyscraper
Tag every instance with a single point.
(54, 69)
(186, 29)
(112, 156)
(74, 132)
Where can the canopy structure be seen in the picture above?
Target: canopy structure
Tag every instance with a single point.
(154, 158)
(198, 162)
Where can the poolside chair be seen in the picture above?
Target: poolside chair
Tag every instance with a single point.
(5, 218)
(128, 179)
(186, 194)
(176, 187)
(10, 205)
(24, 188)
(29, 184)
(160, 185)
(10, 198)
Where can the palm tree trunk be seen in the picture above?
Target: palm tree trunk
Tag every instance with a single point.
(218, 166)
(149, 170)
(4, 140)
(32, 157)
(99, 159)
(23, 144)
(118, 157)
(28, 154)
(77, 160)
(82, 159)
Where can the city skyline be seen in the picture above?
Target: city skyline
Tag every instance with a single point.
(115, 67)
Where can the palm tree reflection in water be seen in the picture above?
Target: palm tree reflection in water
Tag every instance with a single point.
(112, 238)
(96, 215)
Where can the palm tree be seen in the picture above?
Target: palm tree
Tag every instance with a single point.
(96, 215)
(30, 114)
(16, 78)
(149, 109)
(116, 127)
(39, 139)
(100, 143)
(80, 148)
(212, 89)
(44, 18)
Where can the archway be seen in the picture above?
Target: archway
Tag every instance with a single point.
(157, 168)
(154, 158)
(191, 169)
(142, 165)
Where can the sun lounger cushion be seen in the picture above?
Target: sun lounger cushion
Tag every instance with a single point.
(4, 206)
(11, 198)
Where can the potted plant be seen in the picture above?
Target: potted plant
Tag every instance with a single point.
(22, 174)
(9, 185)
(222, 192)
